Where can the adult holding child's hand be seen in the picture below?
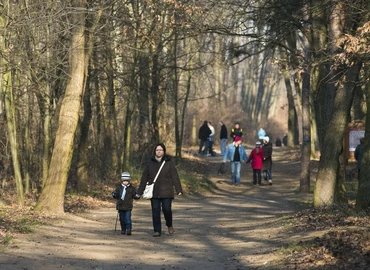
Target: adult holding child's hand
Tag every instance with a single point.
(163, 192)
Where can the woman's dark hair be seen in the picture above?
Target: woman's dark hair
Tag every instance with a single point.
(161, 145)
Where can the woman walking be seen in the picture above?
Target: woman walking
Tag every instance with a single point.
(163, 192)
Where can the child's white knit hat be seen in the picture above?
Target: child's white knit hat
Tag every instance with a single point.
(125, 176)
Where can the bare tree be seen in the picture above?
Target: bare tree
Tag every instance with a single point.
(52, 196)
(7, 88)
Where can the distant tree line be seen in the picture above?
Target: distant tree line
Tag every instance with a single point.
(85, 84)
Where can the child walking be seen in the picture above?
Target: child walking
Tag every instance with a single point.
(256, 157)
(124, 194)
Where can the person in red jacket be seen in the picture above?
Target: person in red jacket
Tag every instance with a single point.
(256, 157)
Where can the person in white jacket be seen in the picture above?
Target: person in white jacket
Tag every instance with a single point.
(211, 139)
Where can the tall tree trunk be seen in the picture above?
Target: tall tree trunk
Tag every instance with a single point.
(7, 88)
(175, 96)
(12, 133)
(111, 148)
(155, 97)
(217, 66)
(52, 195)
(306, 140)
(363, 193)
(46, 112)
(306, 78)
(326, 183)
(127, 136)
(184, 106)
(27, 145)
(83, 149)
(292, 114)
(295, 129)
(340, 87)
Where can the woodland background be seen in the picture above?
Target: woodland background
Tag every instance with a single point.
(88, 87)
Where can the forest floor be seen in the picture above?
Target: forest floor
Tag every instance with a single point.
(229, 227)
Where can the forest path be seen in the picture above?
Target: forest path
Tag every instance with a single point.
(232, 227)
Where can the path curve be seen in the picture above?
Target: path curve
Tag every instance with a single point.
(229, 228)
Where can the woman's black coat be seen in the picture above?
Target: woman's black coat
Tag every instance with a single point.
(166, 181)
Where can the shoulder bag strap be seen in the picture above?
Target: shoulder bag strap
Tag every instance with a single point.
(155, 179)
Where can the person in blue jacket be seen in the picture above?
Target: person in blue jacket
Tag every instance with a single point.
(235, 152)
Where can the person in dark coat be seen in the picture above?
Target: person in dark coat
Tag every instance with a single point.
(358, 156)
(163, 192)
(285, 140)
(236, 131)
(124, 194)
(223, 138)
(267, 159)
(278, 142)
(203, 135)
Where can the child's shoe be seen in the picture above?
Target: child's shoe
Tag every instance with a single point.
(123, 232)
(128, 232)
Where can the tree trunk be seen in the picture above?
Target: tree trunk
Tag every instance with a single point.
(111, 148)
(12, 133)
(292, 113)
(52, 196)
(7, 88)
(27, 145)
(126, 153)
(295, 133)
(83, 149)
(306, 78)
(326, 183)
(306, 140)
(363, 193)
(155, 97)
(175, 96)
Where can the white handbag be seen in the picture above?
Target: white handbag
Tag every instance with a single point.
(148, 191)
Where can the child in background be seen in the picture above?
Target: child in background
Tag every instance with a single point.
(124, 194)
(256, 157)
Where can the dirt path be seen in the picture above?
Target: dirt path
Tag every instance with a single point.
(231, 228)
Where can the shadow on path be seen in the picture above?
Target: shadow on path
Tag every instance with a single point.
(232, 227)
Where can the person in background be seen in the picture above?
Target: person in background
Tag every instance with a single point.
(223, 138)
(203, 135)
(256, 157)
(358, 156)
(235, 152)
(163, 193)
(278, 142)
(261, 134)
(285, 140)
(236, 131)
(267, 160)
(124, 194)
(211, 139)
